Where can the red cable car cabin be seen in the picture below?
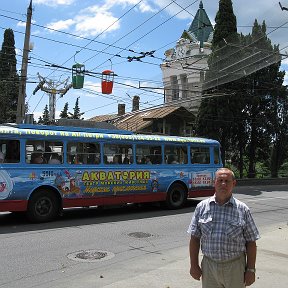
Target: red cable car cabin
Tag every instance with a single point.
(107, 81)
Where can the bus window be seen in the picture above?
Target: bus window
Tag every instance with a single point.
(175, 154)
(42, 152)
(216, 155)
(200, 155)
(83, 153)
(10, 150)
(53, 152)
(118, 154)
(148, 154)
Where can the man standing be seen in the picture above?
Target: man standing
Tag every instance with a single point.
(227, 233)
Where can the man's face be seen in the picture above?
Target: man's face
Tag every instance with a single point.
(224, 184)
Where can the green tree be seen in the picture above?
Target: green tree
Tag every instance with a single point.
(246, 114)
(9, 79)
(216, 114)
(45, 119)
(225, 25)
(76, 109)
(276, 116)
(279, 123)
(64, 112)
(265, 94)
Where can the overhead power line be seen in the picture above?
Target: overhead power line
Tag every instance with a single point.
(162, 23)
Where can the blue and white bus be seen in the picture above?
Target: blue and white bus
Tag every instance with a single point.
(45, 169)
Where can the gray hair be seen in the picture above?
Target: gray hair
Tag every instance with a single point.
(227, 170)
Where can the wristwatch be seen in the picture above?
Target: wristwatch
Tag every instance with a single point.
(253, 270)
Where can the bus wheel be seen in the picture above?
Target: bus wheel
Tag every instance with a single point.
(43, 206)
(176, 197)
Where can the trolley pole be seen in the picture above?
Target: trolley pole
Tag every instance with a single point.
(23, 78)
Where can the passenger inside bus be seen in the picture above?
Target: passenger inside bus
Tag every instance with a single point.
(117, 159)
(105, 159)
(37, 158)
(97, 160)
(47, 154)
(174, 159)
(55, 159)
(13, 152)
(2, 157)
(148, 160)
(126, 160)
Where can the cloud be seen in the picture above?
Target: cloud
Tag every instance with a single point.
(143, 7)
(90, 21)
(95, 21)
(54, 3)
(285, 61)
(61, 25)
(93, 87)
(23, 23)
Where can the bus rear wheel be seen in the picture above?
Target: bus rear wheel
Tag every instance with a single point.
(43, 206)
(176, 196)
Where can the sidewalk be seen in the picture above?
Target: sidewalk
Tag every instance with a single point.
(272, 266)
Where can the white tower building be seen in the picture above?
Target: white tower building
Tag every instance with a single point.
(185, 65)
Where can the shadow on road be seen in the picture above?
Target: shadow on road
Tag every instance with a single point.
(258, 190)
(16, 222)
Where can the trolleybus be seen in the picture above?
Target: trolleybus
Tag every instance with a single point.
(45, 169)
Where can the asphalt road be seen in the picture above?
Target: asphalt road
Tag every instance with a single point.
(96, 248)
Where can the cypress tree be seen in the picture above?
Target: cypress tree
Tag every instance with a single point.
(64, 112)
(76, 109)
(216, 114)
(246, 115)
(9, 79)
(45, 119)
(225, 25)
(266, 105)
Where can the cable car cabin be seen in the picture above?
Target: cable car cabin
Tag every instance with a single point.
(107, 81)
(78, 75)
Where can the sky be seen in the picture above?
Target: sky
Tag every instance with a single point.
(103, 34)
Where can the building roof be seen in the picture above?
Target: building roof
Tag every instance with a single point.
(103, 118)
(140, 119)
(85, 123)
(201, 26)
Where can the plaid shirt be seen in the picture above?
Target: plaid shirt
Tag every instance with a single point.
(223, 230)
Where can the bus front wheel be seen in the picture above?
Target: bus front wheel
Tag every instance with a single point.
(176, 196)
(43, 206)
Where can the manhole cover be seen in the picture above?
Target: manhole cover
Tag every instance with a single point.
(140, 234)
(90, 256)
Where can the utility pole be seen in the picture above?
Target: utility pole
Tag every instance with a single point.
(23, 78)
(51, 88)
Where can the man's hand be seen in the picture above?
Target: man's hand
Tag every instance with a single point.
(249, 278)
(196, 272)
